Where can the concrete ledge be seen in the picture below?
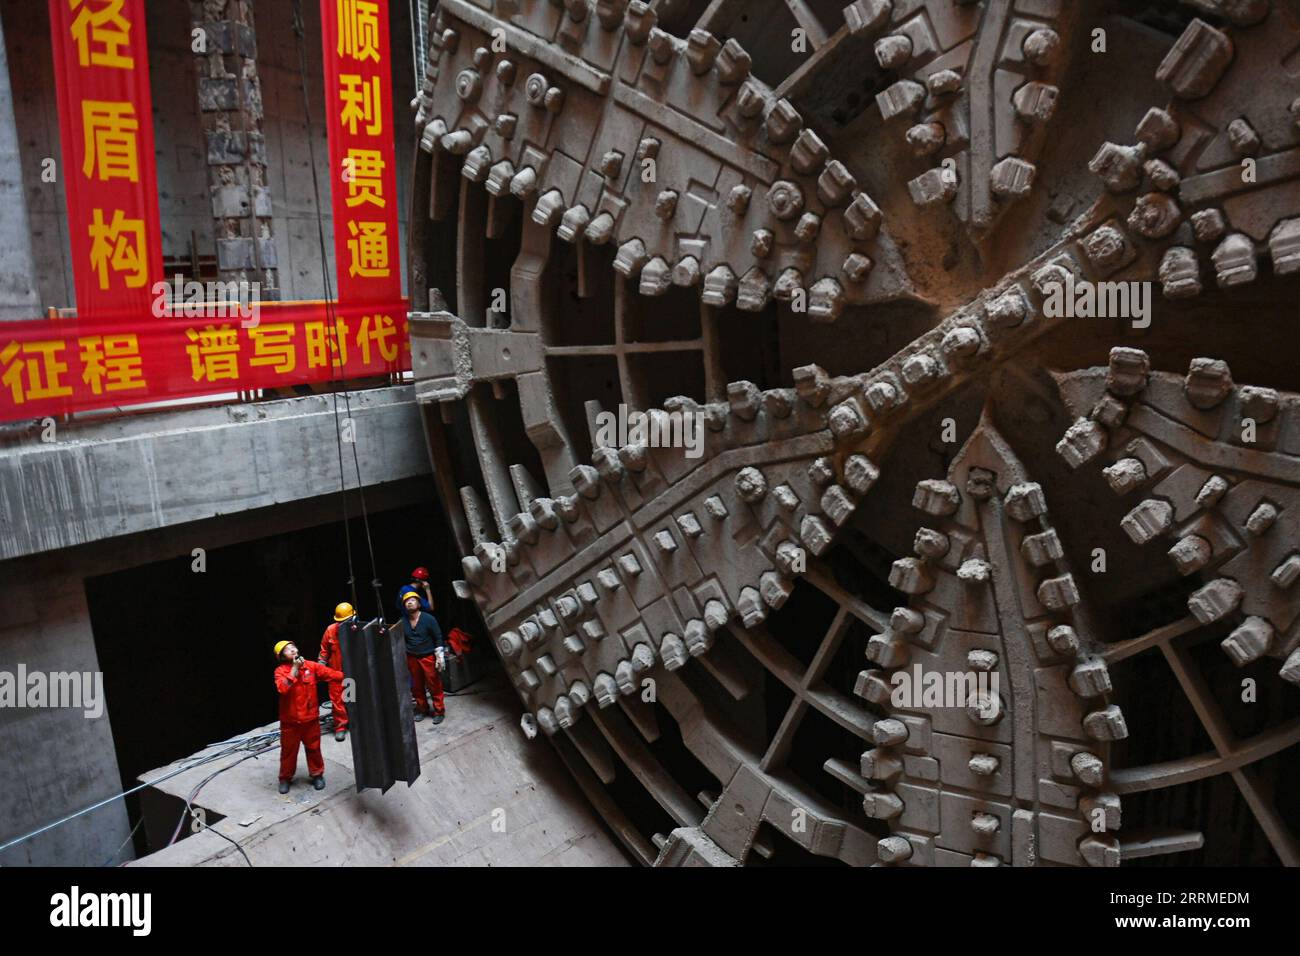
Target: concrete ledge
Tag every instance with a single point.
(140, 473)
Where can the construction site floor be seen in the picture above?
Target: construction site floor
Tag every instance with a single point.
(486, 796)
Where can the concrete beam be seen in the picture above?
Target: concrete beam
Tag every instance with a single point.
(118, 477)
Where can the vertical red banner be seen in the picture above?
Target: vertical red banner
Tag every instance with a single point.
(363, 174)
(101, 69)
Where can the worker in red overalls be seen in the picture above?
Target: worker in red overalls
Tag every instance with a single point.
(296, 681)
(425, 656)
(331, 655)
(420, 585)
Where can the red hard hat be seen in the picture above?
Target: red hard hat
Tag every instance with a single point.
(420, 574)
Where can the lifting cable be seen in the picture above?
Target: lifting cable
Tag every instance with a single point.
(188, 812)
(332, 322)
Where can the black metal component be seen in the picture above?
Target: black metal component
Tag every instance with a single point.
(380, 719)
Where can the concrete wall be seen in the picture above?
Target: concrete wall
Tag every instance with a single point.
(179, 143)
(36, 115)
(17, 275)
(179, 146)
(140, 473)
(54, 761)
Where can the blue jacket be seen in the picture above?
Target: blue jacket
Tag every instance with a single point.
(423, 639)
(401, 597)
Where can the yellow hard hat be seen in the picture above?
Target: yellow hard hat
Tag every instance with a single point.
(280, 646)
(344, 611)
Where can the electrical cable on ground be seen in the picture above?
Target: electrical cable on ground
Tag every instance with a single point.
(243, 743)
(199, 762)
(188, 812)
(130, 836)
(189, 808)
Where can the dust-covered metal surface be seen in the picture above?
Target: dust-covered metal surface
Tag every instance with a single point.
(951, 290)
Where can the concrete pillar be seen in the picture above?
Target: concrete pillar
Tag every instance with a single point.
(56, 760)
(18, 298)
(230, 102)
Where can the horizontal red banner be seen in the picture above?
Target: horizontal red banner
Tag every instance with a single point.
(57, 366)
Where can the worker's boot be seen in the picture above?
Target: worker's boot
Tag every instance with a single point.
(341, 734)
(438, 718)
(284, 786)
(318, 782)
(419, 716)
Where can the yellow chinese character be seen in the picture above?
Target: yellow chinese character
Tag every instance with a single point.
(378, 329)
(273, 345)
(368, 249)
(362, 103)
(119, 245)
(215, 354)
(323, 345)
(111, 363)
(363, 171)
(110, 140)
(106, 29)
(359, 29)
(40, 361)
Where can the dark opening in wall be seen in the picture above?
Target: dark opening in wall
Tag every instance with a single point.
(817, 739)
(679, 17)
(1169, 16)
(441, 237)
(782, 851)
(673, 316)
(512, 444)
(577, 380)
(658, 376)
(502, 249)
(580, 310)
(801, 623)
(765, 29)
(749, 346)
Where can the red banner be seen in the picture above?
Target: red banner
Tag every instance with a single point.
(101, 71)
(363, 180)
(52, 367)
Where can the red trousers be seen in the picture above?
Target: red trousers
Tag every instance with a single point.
(424, 673)
(340, 709)
(291, 735)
